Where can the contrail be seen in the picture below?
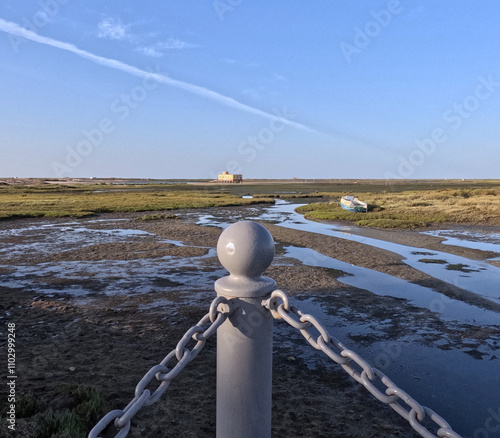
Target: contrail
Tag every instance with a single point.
(14, 29)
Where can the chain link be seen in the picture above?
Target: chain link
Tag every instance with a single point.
(313, 332)
(220, 309)
(363, 373)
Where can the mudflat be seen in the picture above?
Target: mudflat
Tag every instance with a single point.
(101, 309)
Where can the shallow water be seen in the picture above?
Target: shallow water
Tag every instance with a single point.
(45, 239)
(457, 386)
(468, 239)
(103, 277)
(482, 278)
(473, 275)
(384, 284)
(114, 277)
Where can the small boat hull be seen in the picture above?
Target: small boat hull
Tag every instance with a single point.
(354, 205)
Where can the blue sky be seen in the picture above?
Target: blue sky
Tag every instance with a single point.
(187, 89)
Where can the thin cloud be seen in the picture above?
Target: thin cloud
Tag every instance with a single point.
(16, 30)
(253, 94)
(176, 44)
(158, 50)
(149, 51)
(112, 28)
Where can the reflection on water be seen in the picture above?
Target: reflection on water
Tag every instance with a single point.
(45, 239)
(476, 276)
(485, 281)
(114, 277)
(384, 284)
(458, 387)
(104, 277)
(469, 239)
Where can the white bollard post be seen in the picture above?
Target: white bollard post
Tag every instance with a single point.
(245, 340)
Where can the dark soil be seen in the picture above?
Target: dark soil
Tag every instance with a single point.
(110, 342)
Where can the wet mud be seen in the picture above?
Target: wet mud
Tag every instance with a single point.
(109, 301)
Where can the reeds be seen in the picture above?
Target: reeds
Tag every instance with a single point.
(415, 209)
(80, 202)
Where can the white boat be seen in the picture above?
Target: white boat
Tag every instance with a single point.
(350, 203)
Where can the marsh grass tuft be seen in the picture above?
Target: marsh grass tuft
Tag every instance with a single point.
(28, 405)
(460, 267)
(436, 261)
(54, 201)
(60, 424)
(416, 209)
(71, 414)
(156, 217)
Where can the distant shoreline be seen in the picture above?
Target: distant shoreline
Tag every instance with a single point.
(249, 181)
(403, 204)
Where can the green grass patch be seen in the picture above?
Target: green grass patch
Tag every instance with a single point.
(57, 201)
(414, 209)
(60, 424)
(27, 405)
(79, 409)
(156, 217)
(391, 223)
(403, 204)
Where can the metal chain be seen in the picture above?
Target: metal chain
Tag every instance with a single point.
(364, 373)
(220, 309)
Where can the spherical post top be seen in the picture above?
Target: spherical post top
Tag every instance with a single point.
(246, 249)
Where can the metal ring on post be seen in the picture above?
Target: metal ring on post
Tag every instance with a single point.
(272, 303)
(227, 307)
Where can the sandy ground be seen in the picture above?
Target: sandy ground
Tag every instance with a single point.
(111, 341)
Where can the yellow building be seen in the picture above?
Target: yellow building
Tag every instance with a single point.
(227, 177)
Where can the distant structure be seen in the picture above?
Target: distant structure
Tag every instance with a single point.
(226, 177)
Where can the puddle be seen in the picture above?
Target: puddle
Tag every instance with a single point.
(115, 277)
(482, 278)
(451, 382)
(469, 239)
(387, 285)
(209, 220)
(88, 278)
(47, 239)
